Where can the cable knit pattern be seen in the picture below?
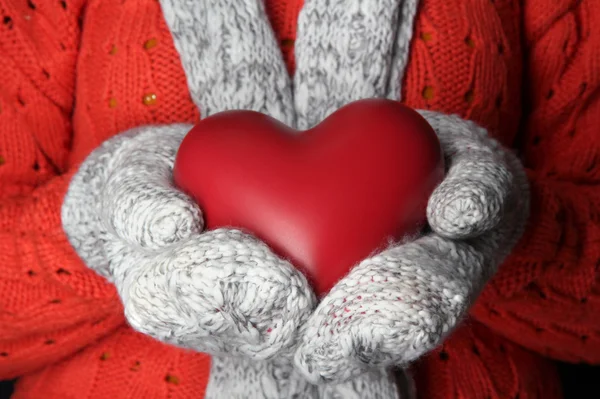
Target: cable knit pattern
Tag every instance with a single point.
(52, 305)
(59, 318)
(476, 363)
(545, 295)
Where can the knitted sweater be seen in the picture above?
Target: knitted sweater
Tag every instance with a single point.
(78, 72)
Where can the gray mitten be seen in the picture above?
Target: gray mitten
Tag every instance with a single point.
(394, 307)
(219, 292)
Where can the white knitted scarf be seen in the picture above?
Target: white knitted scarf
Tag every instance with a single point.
(345, 50)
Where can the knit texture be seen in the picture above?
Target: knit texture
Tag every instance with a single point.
(401, 303)
(546, 296)
(129, 74)
(51, 304)
(211, 37)
(240, 378)
(214, 291)
(476, 363)
(347, 51)
(220, 292)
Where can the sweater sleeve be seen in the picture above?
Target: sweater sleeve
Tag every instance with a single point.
(51, 305)
(546, 297)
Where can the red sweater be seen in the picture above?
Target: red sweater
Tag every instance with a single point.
(76, 72)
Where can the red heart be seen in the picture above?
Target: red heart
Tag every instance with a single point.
(325, 198)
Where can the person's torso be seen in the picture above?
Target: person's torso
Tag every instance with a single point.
(128, 72)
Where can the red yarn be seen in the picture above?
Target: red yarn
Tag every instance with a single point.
(526, 70)
(476, 363)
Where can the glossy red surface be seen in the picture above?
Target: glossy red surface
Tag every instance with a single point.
(325, 198)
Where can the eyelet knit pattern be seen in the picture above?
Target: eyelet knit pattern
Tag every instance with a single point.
(61, 319)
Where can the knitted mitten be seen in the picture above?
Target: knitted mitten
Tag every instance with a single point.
(218, 291)
(397, 305)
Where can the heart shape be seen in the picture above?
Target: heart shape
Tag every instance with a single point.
(325, 198)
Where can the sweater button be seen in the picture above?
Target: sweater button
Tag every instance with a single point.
(150, 43)
(149, 99)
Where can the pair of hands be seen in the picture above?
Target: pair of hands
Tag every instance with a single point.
(225, 292)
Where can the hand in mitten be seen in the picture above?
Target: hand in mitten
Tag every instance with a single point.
(394, 307)
(223, 291)
(219, 292)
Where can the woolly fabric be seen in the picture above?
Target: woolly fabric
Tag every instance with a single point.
(259, 82)
(197, 291)
(544, 296)
(349, 52)
(389, 308)
(220, 292)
